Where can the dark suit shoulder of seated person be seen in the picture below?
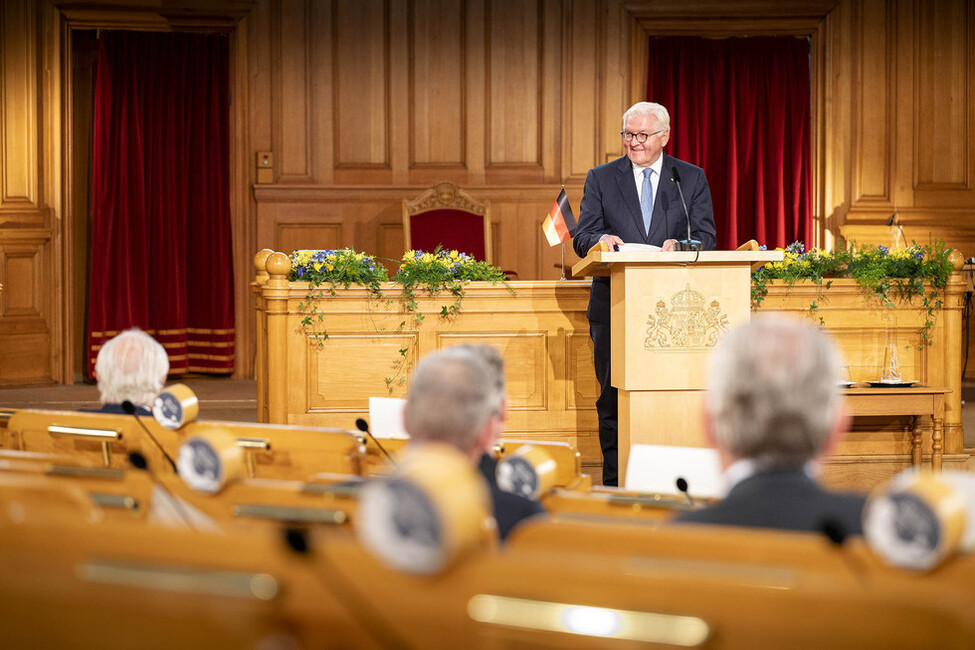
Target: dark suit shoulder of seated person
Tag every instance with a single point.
(509, 509)
(130, 367)
(634, 199)
(456, 396)
(771, 429)
(117, 409)
(786, 499)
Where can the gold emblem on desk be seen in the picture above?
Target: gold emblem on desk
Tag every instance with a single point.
(688, 322)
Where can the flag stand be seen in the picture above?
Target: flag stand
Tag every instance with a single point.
(563, 261)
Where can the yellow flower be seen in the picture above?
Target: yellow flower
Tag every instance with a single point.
(329, 267)
(409, 255)
(427, 258)
(454, 255)
(318, 266)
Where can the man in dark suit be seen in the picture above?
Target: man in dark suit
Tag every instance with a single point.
(634, 199)
(772, 409)
(457, 397)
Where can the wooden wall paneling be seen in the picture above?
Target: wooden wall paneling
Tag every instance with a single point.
(514, 90)
(321, 97)
(582, 144)
(873, 106)
(437, 91)
(551, 99)
(362, 116)
(942, 101)
(294, 150)
(18, 107)
(838, 115)
(25, 335)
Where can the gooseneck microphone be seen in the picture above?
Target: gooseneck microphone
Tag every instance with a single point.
(131, 409)
(363, 426)
(686, 244)
(683, 487)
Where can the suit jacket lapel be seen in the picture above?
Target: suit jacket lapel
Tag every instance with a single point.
(624, 178)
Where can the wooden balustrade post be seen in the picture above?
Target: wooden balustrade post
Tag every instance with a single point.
(276, 293)
(260, 362)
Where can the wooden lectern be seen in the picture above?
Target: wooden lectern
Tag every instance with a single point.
(668, 310)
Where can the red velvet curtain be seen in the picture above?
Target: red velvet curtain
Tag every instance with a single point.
(740, 109)
(161, 247)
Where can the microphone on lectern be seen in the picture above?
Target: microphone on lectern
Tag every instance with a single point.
(685, 244)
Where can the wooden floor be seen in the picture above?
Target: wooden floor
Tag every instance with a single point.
(234, 400)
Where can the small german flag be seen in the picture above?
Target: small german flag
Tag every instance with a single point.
(560, 224)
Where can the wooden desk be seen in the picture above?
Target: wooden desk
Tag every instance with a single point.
(913, 402)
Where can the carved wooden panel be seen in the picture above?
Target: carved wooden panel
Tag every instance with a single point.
(22, 277)
(580, 77)
(874, 126)
(18, 105)
(437, 83)
(514, 83)
(361, 77)
(294, 161)
(583, 392)
(297, 236)
(942, 95)
(337, 378)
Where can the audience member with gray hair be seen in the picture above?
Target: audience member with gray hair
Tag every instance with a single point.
(772, 408)
(130, 367)
(456, 397)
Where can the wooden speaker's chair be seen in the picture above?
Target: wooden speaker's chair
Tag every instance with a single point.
(446, 215)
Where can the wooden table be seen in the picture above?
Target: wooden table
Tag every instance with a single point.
(913, 402)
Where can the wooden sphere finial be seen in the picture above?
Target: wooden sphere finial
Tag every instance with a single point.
(278, 264)
(260, 260)
(956, 258)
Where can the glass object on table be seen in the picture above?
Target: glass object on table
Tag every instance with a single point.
(891, 373)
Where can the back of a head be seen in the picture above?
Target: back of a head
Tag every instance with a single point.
(131, 366)
(451, 398)
(772, 391)
(489, 355)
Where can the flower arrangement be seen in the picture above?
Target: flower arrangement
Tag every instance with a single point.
(438, 272)
(343, 267)
(881, 273)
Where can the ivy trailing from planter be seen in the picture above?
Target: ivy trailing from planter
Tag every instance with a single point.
(435, 273)
(916, 271)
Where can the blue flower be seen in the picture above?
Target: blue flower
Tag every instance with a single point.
(797, 248)
(882, 249)
(300, 272)
(919, 255)
(763, 247)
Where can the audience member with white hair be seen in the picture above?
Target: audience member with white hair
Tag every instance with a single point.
(130, 367)
(773, 407)
(457, 397)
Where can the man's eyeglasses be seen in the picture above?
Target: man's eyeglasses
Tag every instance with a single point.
(639, 137)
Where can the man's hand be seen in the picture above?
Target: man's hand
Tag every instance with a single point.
(612, 240)
(669, 245)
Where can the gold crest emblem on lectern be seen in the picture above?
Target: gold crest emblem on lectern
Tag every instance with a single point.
(688, 322)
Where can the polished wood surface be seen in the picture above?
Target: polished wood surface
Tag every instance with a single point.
(364, 104)
(543, 334)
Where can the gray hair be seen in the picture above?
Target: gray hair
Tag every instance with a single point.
(131, 366)
(772, 391)
(648, 109)
(489, 355)
(451, 399)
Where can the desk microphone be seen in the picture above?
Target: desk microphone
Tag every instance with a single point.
(131, 409)
(892, 220)
(682, 486)
(686, 244)
(363, 426)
